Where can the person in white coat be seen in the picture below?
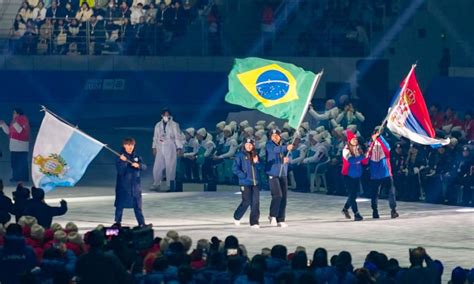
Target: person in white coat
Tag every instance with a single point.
(167, 141)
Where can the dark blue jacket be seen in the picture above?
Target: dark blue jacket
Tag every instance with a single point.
(275, 154)
(127, 189)
(6, 207)
(43, 212)
(16, 258)
(244, 169)
(51, 266)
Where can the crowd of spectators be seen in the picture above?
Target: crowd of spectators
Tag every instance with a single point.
(420, 173)
(129, 27)
(31, 253)
(149, 27)
(343, 28)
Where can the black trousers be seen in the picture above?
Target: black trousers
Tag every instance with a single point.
(191, 170)
(137, 208)
(250, 197)
(19, 165)
(279, 190)
(383, 183)
(353, 188)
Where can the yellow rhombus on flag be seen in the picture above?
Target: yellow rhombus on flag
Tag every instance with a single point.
(279, 89)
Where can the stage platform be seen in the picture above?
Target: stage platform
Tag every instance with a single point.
(314, 220)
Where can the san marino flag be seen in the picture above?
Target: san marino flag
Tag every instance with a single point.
(61, 154)
(279, 89)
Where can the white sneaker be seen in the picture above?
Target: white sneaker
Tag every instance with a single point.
(236, 222)
(273, 221)
(256, 226)
(155, 187)
(282, 224)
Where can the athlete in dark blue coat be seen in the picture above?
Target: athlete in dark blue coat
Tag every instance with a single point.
(277, 171)
(245, 168)
(128, 193)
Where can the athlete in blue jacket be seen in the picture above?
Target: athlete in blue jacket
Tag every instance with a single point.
(380, 174)
(277, 171)
(245, 168)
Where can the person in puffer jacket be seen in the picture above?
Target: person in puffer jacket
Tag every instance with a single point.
(16, 258)
(380, 173)
(352, 160)
(245, 168)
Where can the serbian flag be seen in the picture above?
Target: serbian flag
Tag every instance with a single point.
(408, 115)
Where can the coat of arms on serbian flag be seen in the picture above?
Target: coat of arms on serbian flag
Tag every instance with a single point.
(408, 115)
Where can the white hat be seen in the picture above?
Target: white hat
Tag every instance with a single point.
(244, 123)
(338, 129)
(320, 129)
(286, 125)
(453, 141)
(220, 125)
(202, 131)
(456, 129)
(260, 122)
(325, 134)
(227, 128)
(190, 131)
(447, 128)
(259, 127)
(352, 127)
(316, 138)
(260, 133)
(249, 130)
(233, 125)
(305, 125)
(312, 133)
(271, 125)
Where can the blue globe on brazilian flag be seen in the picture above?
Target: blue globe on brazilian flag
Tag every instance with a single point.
(279, 89)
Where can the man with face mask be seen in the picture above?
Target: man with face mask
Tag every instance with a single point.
(167, 141)
(277, 171)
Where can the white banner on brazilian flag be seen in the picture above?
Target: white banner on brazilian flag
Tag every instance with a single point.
(61, 154)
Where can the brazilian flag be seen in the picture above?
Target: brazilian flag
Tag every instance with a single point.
(279, 89)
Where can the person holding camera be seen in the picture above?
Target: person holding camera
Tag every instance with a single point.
(277, 171)
(349, 115)
(128, 193)
(38, 208)
(419, 273)
(244, 168)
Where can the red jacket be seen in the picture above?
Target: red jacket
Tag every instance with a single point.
(24, 134)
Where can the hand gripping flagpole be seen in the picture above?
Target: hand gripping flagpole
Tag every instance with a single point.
(305, 109)
(43, 108)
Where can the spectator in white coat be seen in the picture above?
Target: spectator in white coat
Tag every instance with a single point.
(167, 141)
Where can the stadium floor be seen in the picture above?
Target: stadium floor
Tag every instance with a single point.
(314, 220)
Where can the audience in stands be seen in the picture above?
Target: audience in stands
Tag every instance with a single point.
(116, 27)
(30, 254)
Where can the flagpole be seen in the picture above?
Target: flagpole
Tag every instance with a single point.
(45, 109)
(310, 97)
(305, 109)
(382, 125)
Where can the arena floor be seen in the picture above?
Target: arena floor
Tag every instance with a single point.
(314, 221)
